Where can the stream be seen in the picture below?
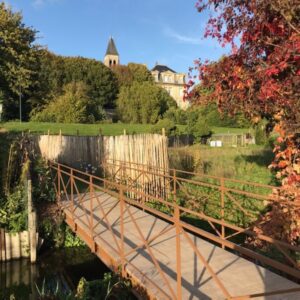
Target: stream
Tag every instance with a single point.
(61, 266)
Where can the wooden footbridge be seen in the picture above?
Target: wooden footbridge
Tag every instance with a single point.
(178, 235)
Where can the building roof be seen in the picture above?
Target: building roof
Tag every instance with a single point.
(111, 48)
(162, 68)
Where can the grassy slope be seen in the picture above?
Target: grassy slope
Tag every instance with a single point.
(244, 163)
(93, 129)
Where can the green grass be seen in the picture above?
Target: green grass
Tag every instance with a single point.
(244, 163)
(72, 129)
(94, 129)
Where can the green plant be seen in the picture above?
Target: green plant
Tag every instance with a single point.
(42, 188)
(143, 102)
(72, 240)
(50, 291)
(261, 137)
(167, 124)
(74, 106)
(177, 115)
(111, 287)
(198, 127)
(13, 212)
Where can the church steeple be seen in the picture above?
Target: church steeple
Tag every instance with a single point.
(111, 56)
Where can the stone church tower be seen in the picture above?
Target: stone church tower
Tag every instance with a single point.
(111, 56)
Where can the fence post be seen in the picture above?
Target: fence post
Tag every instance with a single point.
(2, 245)
(222, 209)
(121, 198)
(58, 184)
(174, 186)
(178, 250)
(91, 207)
(72, 194)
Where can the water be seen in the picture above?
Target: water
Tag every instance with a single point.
(65, 266)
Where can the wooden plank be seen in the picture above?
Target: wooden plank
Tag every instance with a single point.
(239, 276)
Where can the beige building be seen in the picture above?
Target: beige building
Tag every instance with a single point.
(111, 57)
(172, 82)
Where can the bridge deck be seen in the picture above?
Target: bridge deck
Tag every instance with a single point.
(239, 276)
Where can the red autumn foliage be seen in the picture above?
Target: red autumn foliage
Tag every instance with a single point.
(261, 77)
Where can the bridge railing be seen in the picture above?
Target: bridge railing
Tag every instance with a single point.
(230, 208)
(74, 186)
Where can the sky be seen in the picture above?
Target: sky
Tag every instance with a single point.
(168, 32)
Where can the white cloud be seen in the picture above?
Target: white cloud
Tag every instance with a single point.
(181, 38)
(39, 3)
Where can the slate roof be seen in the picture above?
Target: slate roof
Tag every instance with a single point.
(111, 48)
(162, 68)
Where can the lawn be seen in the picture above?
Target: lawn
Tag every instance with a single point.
(74, 129)
(95, 129)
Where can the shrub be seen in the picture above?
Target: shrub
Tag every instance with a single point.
(13, 211)
(74, 106)
(167, 124)
(197, 125)
(261, 137)
(215, 118)
(177, 115)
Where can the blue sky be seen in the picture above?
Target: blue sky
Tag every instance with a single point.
(145, 31)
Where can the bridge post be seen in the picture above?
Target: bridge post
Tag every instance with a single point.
(222, 209)
(121, 198)
(72, 194)
(178, 251)
(174, 186)
(58, 183)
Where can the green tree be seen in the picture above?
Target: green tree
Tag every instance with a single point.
(143, 103)
(167, 124)
(126, 75)
(197, 125)
(103, 86)
(123, 74)
(74, 106)
(140, 72)
(55, 71)
(17, 58)
(176, 115)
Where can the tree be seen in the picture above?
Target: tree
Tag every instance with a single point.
(103, 86)
(197, 125)
(168, 125)
(74, 106)
(123, 74)
(143, 103)
(261, 78)
(140, 72)
(126, 75)
(17, 58)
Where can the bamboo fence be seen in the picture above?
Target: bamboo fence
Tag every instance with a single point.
(96, 154)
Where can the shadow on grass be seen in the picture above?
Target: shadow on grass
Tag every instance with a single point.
(262, 158)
